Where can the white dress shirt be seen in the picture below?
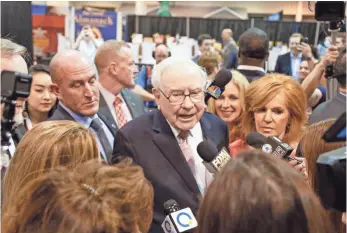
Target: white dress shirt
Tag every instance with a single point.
(194, 138)
(109, 98)
(246, 67)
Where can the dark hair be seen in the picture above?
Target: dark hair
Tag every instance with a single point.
(258, 192)
(39, 68)
(36, 69)
(340, 68)
(203, 37)
(254, 43)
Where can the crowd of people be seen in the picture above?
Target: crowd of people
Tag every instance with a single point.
(99, 145)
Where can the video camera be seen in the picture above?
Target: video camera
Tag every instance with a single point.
(14, 85)
(331, 168)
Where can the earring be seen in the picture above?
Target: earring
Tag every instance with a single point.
(287, 128)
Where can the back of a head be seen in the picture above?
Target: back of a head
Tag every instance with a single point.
(48, 145)
(254, 43)
(92, 198)
(257, 192)
(340, 68)
(313, 145)
(210, 61)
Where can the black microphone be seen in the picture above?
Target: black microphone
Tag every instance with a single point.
(214, 160)
(271, 145)
(216, 87)
(177, 220)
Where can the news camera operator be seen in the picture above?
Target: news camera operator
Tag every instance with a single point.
(257, 192)
(12, 59)
(337, 105)
(312, 145)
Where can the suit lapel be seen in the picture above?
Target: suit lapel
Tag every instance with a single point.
(207, 131)
(289, 61)
(167, 144)
(105, 111)
(130, 103)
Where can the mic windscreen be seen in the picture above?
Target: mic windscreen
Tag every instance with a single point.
(170, 206)
(256, 140)
(207, 150)
(222, 78)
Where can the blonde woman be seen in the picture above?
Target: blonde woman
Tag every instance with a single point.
(275, 105)
(230, 107)
(46, 146)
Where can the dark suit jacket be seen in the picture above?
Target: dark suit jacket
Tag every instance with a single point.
(284, 64)
(149, 141)
(331, 109)
(133, 101)
(252, 75)
(61, 114)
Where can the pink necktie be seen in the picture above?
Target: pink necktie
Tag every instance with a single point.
(119, 112)
(187, 151)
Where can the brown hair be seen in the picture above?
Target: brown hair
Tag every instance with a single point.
(312, 146)
(93, 198)
(48, 145)
(257, 192)
(262, 91)
(241, 82)
(209, 61)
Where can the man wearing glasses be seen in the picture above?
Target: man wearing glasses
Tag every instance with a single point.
(163, 142)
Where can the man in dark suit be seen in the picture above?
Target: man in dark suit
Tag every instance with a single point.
(289, 63)
(117, 71)
(253, 52)
(333, 108)
(75, 84)
(164, 142)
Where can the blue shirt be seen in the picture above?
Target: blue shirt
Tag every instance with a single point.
(295, 65)
(86, 121)
(141, 80)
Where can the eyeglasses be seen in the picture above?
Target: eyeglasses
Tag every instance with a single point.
(178, 97)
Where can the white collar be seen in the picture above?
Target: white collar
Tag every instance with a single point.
(192, 132)
(109, 97)
(246, 67)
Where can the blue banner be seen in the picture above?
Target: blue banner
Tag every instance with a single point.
(103, 23)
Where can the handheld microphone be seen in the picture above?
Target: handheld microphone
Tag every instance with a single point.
(271, 145)
(214, 160)
(177, 220)
(216, 87)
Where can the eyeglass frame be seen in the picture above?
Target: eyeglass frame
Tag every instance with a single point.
(178, 103)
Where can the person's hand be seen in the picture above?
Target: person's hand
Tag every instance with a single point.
(300, 165)
(330, 56)
(344, 218)
(305, 49)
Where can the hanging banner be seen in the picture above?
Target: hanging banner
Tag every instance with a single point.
(103, 23)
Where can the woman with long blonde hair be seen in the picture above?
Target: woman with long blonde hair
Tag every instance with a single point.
(48, 145)
(230, 107)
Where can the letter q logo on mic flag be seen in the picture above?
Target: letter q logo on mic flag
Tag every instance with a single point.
(184, 220)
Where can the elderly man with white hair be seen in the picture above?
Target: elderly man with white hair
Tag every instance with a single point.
(164, 142)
